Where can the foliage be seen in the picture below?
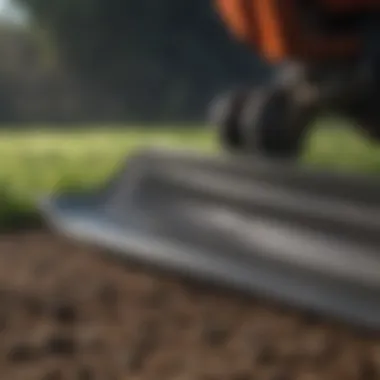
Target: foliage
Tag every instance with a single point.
(169, 57)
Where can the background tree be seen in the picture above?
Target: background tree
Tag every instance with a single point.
(162, 59)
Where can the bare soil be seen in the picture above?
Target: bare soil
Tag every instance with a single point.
(69, 312)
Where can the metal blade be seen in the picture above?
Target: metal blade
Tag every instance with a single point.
(307, 238)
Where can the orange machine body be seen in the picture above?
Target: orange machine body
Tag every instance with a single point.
(279, 30)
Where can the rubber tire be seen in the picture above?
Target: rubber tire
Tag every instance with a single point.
(366, 116)
(274, 125)
(365, 110)
(225, 116)
(369, 124)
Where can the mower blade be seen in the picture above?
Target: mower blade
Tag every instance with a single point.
(307, 238)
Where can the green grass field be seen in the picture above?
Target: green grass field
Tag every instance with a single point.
(42, 161)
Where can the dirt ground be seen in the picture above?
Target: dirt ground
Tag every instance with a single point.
(68, 312)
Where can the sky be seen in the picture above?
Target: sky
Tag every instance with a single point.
(10, 12)
(4, 6)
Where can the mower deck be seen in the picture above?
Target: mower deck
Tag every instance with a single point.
(309, 239)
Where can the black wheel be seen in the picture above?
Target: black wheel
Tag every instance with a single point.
(365, 114)
(274, 124)
(368, 122)
(364, 107)
(225, 116)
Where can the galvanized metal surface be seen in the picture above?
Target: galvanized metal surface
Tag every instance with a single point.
(310, 239)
